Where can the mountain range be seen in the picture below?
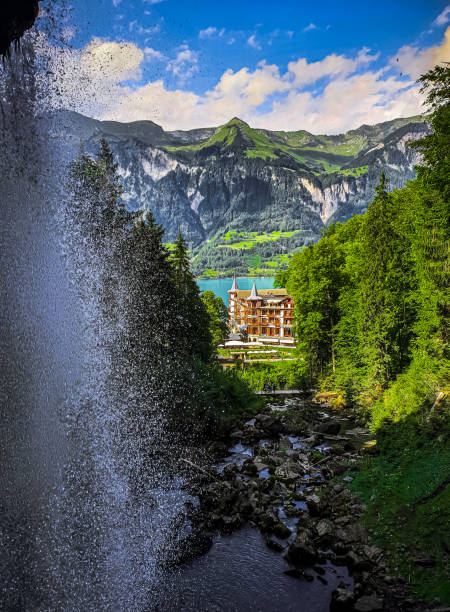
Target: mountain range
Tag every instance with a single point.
(245, 199)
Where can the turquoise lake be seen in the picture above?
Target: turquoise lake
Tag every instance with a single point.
(220, 286)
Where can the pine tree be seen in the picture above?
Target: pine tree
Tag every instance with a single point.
(195, 329)
(384, 314)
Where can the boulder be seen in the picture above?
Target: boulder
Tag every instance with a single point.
(368, 603)
(357, 563)
(285, 471)
(314, 505)
(324, 528)
(270, 424)
(331, 428)
(275, 544)
(281, 531)
(352, 533)
(302, 551)
(299, 574)
(342, 600)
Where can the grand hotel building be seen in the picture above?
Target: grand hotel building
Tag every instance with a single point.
(266, 314)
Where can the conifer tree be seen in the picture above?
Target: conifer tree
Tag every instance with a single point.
(195, 329)
(384, 317)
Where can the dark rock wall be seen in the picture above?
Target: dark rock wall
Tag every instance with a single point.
(16, 16)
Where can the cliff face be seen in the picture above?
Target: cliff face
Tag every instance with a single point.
(207, 182)
(15, 18)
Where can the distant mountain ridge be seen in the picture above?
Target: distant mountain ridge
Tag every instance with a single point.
(244, 198)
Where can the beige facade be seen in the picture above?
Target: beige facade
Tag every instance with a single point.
(266, 315)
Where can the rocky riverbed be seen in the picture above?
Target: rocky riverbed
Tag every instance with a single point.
(286, 472)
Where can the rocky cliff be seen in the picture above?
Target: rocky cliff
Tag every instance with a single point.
(242, 196)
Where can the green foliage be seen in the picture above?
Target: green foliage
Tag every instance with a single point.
(165, 354)
(254, 238)
(222, 398)
(248, 253)
(218, 317)
(196, 328)
(355, 171)
(409, 503)
(387, 324)
(277, 375)
(314, 281)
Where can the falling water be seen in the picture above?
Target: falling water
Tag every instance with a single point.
(78, 532)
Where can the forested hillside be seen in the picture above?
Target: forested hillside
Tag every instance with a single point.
(372, 322)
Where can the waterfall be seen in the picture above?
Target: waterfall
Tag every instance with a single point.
(78, 530)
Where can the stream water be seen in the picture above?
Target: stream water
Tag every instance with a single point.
(241, 573)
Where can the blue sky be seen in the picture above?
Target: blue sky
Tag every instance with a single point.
(186, 63)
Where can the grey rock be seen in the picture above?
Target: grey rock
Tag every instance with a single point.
(324, 528)
(342, 600)
(368, 603)
(302, 551)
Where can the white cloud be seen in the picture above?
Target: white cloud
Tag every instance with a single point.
(443, 18)
(185, 64)
(207, 32)
(135, 26)
(331, 66)
(211, 32)
(414, 61)
(113, 61)
(116, 2)
(152, 1)
(311, 26)
(332, 95)
(89, 80)
(153, 54)
(252, 42)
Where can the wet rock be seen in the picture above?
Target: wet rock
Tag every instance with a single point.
(324, 528)
(285, 471)
(281, 530)
(342, 600)
(191, 547)
(275, 544)
(368, 603)
(270, 424)
(314, 504)
(236, 435)
(15, 18)
(267, 522)
(285, 443)
(231, 523)
(299, 574)
(357, 563)
(352, 533)
(260, 466)
(217, 448)
(302, 551)
(373, 552)
(332, 428)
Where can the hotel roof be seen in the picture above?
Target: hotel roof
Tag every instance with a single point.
(263, 293)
